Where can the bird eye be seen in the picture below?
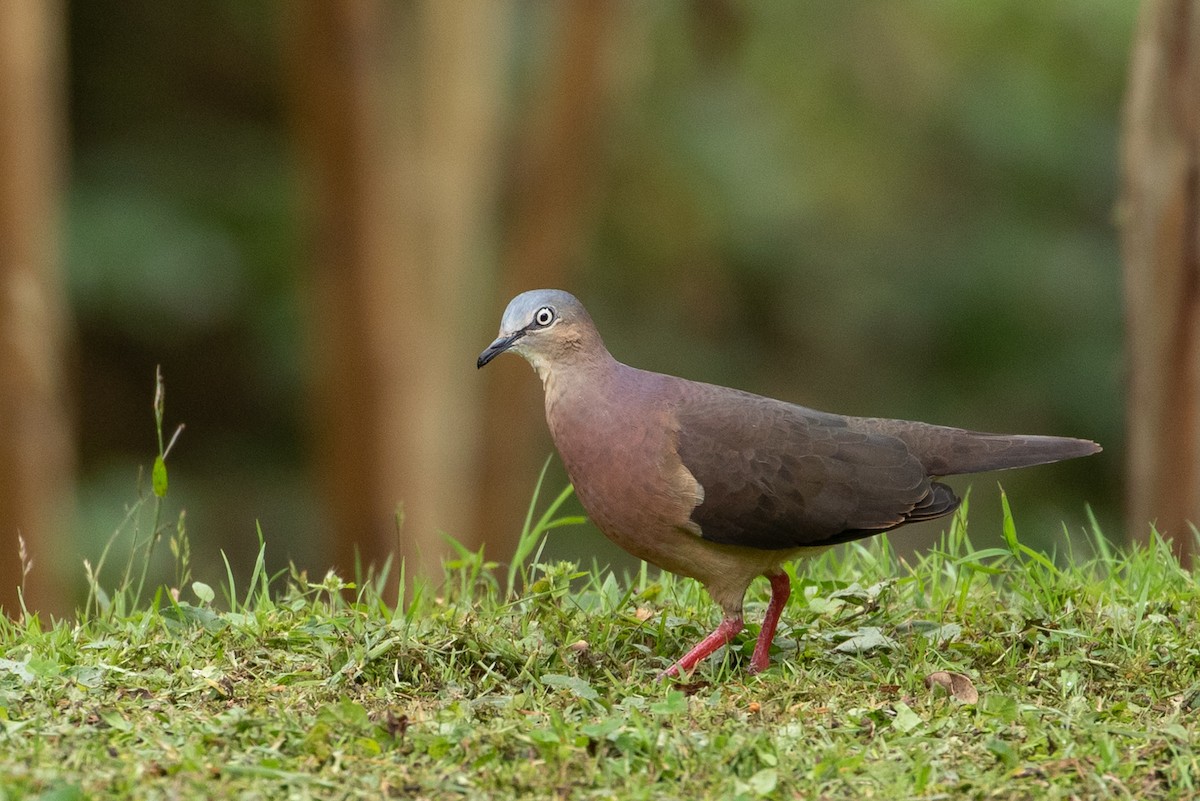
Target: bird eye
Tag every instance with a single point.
(543, 316)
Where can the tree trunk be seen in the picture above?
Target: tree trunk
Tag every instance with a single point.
(396, 110)
(1160, 234)
(36, 453)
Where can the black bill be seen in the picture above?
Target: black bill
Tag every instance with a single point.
(499, 346)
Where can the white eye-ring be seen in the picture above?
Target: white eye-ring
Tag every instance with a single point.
(543, 316)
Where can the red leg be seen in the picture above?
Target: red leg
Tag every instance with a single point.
(781, 588)
(723, 633)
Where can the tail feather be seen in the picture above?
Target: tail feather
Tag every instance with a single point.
(976, 452)
(946, 451)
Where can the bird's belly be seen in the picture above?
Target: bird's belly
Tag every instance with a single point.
(660, 539)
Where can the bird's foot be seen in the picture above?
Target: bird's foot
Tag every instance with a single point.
(721, 635)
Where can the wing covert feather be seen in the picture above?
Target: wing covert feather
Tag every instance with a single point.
(778, 476)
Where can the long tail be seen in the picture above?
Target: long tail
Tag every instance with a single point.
(977, 452)
(950, 451)
(984, 452)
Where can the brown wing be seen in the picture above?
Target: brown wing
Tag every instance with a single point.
(779, 476)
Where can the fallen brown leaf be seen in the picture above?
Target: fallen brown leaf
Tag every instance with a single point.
(956, 684)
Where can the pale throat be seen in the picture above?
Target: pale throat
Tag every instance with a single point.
(541, 366)
(563, 382)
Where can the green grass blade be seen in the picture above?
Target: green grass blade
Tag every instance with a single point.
(531, 534)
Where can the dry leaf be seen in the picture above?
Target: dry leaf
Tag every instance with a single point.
(958, 685)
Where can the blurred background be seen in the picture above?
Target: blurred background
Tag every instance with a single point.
(312, 215)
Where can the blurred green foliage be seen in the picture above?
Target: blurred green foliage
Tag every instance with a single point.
(894, 209)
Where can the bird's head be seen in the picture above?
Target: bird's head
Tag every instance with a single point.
(548, 327)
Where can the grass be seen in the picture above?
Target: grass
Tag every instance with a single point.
(1088, 672)
(539, 681)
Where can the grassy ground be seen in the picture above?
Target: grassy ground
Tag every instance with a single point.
(1087, 677)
